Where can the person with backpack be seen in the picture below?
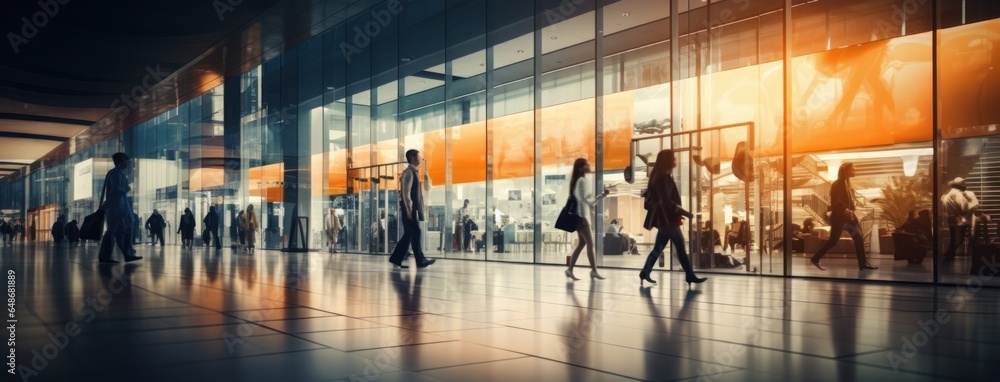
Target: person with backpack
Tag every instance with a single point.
(118, 213)
(72, 233)
(211, 222)
(664, 212)
(155, 225)
(59, 229)
(250, 226)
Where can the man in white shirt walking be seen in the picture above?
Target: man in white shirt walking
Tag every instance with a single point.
(960, 205)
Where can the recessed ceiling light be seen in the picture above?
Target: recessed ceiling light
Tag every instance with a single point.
(626, 13)
(520, 51)
(553, 38)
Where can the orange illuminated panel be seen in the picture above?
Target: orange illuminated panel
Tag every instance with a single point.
(513, 145)
(568, 132)
(737, 96)
(873, 94)
(338, 172)
(969, 82)
(202, 178)
(468, 149)
(618, 129)
(266, 182)
(433, 151)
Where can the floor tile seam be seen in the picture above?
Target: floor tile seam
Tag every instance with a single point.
(430, 332)
(535, 357)
(903, 370)
(576, 320)
(446, 340)
(691, 339)
(758, 346)
(244, 321)
(174, 365)
(936, 356)
(418, 371)
(186, 342)
(136, 318)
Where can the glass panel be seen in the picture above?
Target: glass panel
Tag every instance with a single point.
(861, 147)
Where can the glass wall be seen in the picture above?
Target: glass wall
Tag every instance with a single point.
(837, 115)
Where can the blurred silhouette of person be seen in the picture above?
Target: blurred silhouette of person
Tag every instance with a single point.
(461, 217)
(981, 231)
(137, 239)
(32, 231)
(251, 225)
(412, 211)
(211, 222)
(6, 231)
(155, 225)
(842, 218)
(234, 229)
(186, 229)
(59, 229)
(585, 202)
(613, 228)
(72, 233)
(331, 226)
(664, 212)
(117, 213)
(240, 229)
(799, 236)
(960, 204)
(19, 230)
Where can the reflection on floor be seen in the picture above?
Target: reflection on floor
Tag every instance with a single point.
(222, 316)
(771, 264)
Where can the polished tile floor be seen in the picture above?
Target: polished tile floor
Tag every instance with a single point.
(207, 315)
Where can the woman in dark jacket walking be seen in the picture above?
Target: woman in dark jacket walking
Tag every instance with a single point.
(842, 218)
(665, 213)
(186, 229)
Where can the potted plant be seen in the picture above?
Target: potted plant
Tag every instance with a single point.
(902, 195)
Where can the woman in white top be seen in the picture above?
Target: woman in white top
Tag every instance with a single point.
(585, 201)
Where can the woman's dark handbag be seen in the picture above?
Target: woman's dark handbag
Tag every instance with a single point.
(568, 220)
(93, 224)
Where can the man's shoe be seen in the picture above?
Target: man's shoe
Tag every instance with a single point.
(426, 263)
(399, 265)
(133, 258)
(108, 261)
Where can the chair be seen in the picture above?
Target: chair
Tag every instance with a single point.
(614, 244)
(908, 248)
